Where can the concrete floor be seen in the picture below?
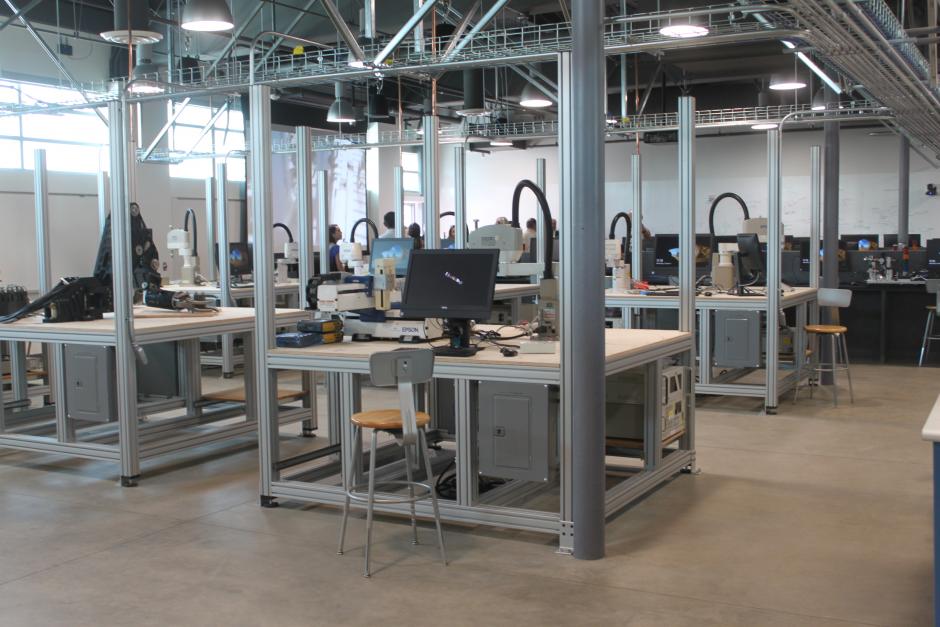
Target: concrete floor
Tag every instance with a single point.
(816, 516)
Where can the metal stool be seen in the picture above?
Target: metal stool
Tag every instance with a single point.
(836, 332)
(933, 287)
(404, 369)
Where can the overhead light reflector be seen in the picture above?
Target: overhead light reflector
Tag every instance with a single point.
(685, 30)
(764, 126)
(208, 16)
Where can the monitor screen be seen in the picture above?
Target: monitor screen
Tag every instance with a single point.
(240, 258)
(933, 255)
(400, 249)
(865, 241)
(447, 244)
(891, 240)
(453, 284)
(704, 247)
(667, 247)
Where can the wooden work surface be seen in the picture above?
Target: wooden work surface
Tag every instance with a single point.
(213, 289)
(150, 326)
(624, 349)
(613, 297)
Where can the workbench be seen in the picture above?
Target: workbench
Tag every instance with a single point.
(514, 293)
(886, 321)
(315, 476)
(238, 295)
(931, 433)
(799, 299)
(133, 438)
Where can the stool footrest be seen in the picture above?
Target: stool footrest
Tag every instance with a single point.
(358, 494)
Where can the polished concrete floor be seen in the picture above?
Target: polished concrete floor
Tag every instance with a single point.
(816, 516)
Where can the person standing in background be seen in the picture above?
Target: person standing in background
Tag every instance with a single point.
(530, 232)
(388, 220)
(336, 234)
(414, 232)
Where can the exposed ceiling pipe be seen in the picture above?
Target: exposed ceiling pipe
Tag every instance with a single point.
(403, 32)
(337, 18)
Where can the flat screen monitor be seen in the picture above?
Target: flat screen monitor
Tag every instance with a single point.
(447, 244)
(933, 256)
(704, 247)
(452, 284)
(240, 258)
(399, 249)
(865, 241)
(891, 240)
(801, 244)
(751, 260)
(667, 247)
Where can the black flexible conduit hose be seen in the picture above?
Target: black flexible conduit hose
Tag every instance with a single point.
(711, 211)
(375, 231)
(546, 220)
(190, 212)
(290, 236)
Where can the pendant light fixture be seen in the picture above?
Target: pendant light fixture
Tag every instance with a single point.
(144, 77)
(819, 100)
(786, 81)
(131, 24)
(683, 28)
(341, 111)
(532, 98)
(208, 16)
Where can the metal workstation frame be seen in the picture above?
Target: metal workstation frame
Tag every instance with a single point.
(131, 438)
(584, 502)
(804, 304)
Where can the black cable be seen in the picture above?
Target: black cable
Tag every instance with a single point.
(711, 210)
(546, 219)
(195, 242)
(290, 236)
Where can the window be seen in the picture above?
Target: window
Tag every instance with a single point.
(411, 167)
(75, 141)
(188, 134)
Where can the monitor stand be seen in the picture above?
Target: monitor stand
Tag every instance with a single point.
(459, 333)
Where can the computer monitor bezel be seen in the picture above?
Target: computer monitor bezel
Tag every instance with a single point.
(656, 244)
(891, 240)
(481, 312)
(757, 272)
(248, 267)
(400, 268)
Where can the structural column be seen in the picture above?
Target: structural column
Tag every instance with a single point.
(773, 265)
(904, 191)
(460, 197)
(687, 214)
(400, 200)
(125, 359)
(540, 226)
(830, 261)
(265, 379)
(815, 206)
(432, 190)
(323, 220)
(582, 103)
(636, 236)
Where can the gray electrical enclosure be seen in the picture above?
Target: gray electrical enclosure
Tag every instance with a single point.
(737, 339)
(90, 379)
(90, 384)
(518, 431)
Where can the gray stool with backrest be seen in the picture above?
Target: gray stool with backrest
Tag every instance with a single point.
(828, 297)
(404, 369)
(933, 287)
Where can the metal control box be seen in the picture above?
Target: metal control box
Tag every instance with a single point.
(90, 379)
(737, 339)
(518, 431)
(90, 391)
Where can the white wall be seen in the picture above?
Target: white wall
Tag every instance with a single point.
(21, 55)
(73, 221)
(868, 185)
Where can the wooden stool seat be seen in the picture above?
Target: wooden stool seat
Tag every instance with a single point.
(386, 419)
(825, 329)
